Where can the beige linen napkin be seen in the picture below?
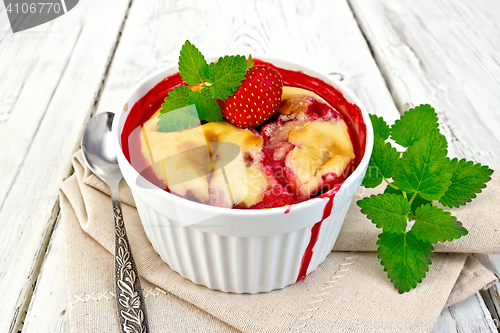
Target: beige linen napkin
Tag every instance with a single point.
(349, 290)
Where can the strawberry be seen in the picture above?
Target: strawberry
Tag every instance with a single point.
(256, 99)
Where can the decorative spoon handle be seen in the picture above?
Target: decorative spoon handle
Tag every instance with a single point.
(129, 299)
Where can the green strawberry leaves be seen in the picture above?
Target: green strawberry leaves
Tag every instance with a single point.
(215, 81)
(421, 176)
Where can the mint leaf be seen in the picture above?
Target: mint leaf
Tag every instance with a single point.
(414, 124)
(176, 98)
(405, 259)
(423, 167)
(380, 127)
(382, 163)
(222, 80)
(432, 225)
(191, 64)
(225, 75)
(417, 202)
(207, 106)
(388, 211)
(178, 120)
(468, 179)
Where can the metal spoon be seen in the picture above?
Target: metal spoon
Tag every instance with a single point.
(100, 157)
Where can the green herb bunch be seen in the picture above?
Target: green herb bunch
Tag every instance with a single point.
(418, 179)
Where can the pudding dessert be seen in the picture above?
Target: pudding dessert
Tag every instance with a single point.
(285, 161)
(241, 134)
(295, 139)
(309, 146)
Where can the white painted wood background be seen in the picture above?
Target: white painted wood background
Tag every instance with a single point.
(392, 54)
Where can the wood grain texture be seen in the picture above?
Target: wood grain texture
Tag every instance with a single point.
(492, 295)
(321, 34)
(470, 315)
(47, 310)
(43, 127)
(444, 53)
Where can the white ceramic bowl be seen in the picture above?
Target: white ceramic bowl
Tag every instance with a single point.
(240, 251)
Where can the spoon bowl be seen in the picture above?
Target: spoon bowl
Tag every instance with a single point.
(97, 148)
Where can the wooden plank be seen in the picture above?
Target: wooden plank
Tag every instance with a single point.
(28, 211)
(492, 295)
(321, 34)
(147, 45)
(443, 53)
(470, 315)
(47, 310)
(436, 52)
(30, 76)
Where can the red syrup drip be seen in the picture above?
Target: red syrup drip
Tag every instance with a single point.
(288, 209)
(308, 253)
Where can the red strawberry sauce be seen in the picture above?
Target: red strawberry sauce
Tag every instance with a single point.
(308, 253)
(151, 102)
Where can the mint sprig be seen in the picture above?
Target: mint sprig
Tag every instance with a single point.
(191, 64)
(468, 179)
(176, 98)
(413, 125)
(405, 259)
(422, 175)
(208, 108)
(423, 168)
(184, 117)
(217, 80)
(225, 75)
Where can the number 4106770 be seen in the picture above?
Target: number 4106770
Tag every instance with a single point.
(40, 7)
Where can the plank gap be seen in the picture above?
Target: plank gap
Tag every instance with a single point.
(370, 47)
(111, 57)
(18, 320)
(490, 297)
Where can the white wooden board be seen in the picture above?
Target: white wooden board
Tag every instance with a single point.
(470, 315)
(145, 46)
(444, 53)
(59, 79)
(322, 34)
(48, 308)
